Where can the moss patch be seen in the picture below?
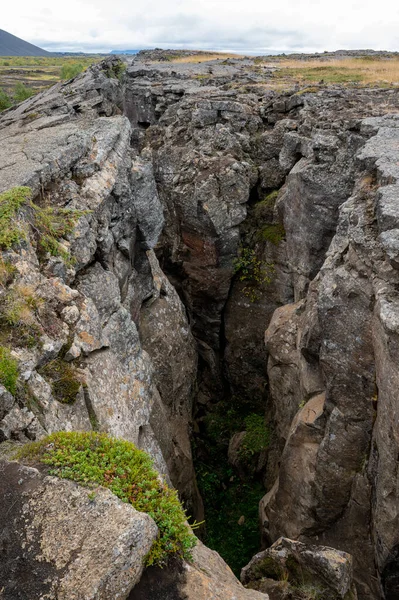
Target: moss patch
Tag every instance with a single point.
(8, 370)
(272, 232)
(64, 382)
(128, 472)
(257, 436)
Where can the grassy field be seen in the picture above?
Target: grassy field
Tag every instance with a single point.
(363, 71)
(21, 77)
(199, 58)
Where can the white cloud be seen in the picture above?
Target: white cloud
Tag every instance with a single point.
(102, 25)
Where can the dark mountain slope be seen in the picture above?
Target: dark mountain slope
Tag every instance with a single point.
(10, 45)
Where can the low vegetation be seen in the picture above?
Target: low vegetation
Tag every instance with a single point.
(21, 77)
(49, 224)
(253, 271)
(231, 503)
(96, 458)
(8, 370)
(65, 383)
(363, 71)
(18, 325)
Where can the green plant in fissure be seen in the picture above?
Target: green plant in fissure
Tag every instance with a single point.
(231, 504)
(96, 458)
(49, 224)
(8, 370)
(257, 436)
(252, 271)
(65, 384)
(272, 232)
(11, 230)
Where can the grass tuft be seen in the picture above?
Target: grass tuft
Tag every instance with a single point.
(8, 370)
(49, 223)
(96, 458)
(11, 231)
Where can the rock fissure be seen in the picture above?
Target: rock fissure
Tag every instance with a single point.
(216, 216)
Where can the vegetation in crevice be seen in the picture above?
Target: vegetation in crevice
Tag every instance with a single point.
(96, 458)
(48, 223)
(18, 325)
(8, 370)
(253, 271)
(257, 436)
(230, 502)
(65, 384)
(116, 71)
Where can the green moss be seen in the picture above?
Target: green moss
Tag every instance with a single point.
(8, 370)
(94, 458)
(11, 230)
(65, 385)
(272, 232)
(257, 436)
(269, 568)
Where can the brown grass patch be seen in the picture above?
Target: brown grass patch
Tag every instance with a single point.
(199, 58)
(350, 70)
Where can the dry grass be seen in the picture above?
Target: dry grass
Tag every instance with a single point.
(199, 58)
(351, 70)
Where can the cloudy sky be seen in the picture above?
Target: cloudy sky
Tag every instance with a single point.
(291, 25)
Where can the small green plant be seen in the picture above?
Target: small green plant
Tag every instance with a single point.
(11, 230)
(253, 271)
(49, 223)
(257, 436)
(69, 71)
(65, 384)
(96, 458)
(8, 370)
(22, 92)
(53, 223)
(5, 100)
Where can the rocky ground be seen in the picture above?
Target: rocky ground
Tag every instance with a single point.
(213, 209)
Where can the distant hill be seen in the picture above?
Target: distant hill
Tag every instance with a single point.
(10, 45)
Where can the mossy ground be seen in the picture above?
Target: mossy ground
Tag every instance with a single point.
(96, 458)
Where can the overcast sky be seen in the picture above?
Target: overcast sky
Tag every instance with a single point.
(293, 25)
